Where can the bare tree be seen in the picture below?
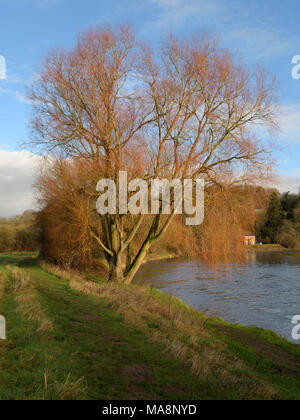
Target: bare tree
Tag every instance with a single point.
(187, 111)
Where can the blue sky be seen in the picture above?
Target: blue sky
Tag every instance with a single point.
(265, 32)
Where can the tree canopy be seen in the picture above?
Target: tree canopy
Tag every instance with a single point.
(112, 103)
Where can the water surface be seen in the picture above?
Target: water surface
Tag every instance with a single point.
(264, 292)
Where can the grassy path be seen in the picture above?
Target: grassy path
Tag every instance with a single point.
(65, 344)
(90, 354)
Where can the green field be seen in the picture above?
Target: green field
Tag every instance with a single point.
(73, 338)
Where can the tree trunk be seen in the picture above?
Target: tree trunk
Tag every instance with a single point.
(115, 260)
(136, 265)
(116, 269)
(117, 272)
(138, 261)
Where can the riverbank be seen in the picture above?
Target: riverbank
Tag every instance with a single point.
(70, 338)
(271, 248)
(252, 249)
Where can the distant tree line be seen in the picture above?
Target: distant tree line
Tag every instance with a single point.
(19, 233)
(281, 222)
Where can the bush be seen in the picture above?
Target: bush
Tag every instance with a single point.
(288, 235)
(19, 234)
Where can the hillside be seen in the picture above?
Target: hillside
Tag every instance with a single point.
(73, 338)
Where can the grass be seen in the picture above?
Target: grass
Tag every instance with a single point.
(73, 337)
(271, 248)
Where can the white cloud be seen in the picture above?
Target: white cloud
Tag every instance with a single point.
(177, 11)
(22, 98)
(289, 181)
(262, 41)
(290, 123)
(235, 24)
(18, 95)
(17, 171)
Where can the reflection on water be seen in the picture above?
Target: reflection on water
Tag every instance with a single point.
(264, 292)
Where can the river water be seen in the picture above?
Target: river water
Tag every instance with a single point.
(264, 292)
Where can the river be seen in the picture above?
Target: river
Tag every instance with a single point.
(264, 292)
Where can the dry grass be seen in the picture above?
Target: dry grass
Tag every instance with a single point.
(2, 285)
(181, 330)
(27, 300)
(2, 291)
(69, 389)
(65, 390)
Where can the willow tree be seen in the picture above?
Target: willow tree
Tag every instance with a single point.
(187, 110)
